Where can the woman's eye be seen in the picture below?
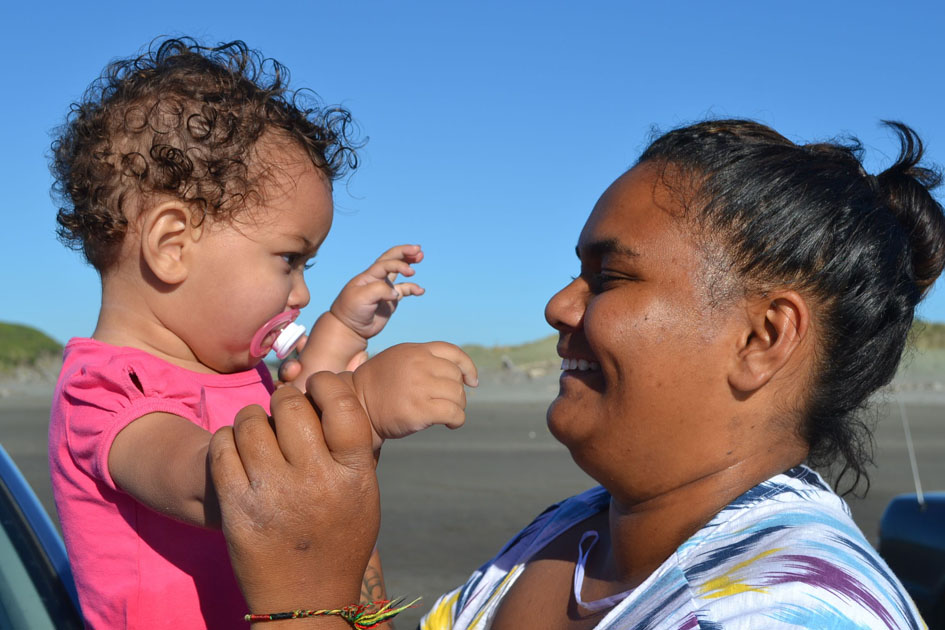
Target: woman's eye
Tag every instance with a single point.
(602, 281)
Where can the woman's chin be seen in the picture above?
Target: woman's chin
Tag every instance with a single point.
(567, 420)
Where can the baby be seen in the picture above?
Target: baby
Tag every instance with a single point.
(199, 187)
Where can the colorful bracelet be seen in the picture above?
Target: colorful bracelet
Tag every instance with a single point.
(360, 616)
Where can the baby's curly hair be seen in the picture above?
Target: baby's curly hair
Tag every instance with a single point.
(181, 119)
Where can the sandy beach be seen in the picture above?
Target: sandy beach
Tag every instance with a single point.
(451, 498)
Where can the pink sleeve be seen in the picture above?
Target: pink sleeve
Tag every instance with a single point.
(103, 398)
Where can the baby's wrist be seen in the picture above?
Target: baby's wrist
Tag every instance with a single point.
(351, 327)
(332, 327)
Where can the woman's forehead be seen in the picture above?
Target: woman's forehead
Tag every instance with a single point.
(635, 210)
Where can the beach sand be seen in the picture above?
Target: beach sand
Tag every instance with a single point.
(450, 499)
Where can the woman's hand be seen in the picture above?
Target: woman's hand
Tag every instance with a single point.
(299, 498)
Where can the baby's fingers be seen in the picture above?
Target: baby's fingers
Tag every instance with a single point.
(449, 389)
(447, 413)
(377, 292)
(409, 288)
(389, 268)
(409, 253)
(455, 354)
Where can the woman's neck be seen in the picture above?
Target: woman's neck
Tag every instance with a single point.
(644, 534)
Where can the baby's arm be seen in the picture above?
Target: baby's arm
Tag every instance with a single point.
(338, 339)
(161, 460)
(412, 386)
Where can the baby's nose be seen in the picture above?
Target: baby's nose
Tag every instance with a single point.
(299, 297)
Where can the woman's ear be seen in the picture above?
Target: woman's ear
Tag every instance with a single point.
(778, 324)
(166, 234)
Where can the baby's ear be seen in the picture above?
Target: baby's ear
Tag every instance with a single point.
(166, 232)
(776, 329)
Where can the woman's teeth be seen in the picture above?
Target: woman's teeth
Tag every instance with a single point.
(581, 365)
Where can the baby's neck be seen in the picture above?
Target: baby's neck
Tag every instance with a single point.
(126, 320)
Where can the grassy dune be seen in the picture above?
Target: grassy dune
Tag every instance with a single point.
(23, 346)
(928, 336)
(525, 355)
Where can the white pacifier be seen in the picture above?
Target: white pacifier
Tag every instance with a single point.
(287, 339)
(280, 333)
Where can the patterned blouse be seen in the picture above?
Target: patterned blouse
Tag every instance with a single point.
(784, 555)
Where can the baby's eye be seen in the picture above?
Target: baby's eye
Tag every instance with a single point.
(297, 261)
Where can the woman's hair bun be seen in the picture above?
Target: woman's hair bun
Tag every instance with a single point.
(905, 189)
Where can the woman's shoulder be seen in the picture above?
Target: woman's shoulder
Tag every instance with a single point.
(789, 551)
(798, 502)
(786, 516)
(474, 601)
(555, 520)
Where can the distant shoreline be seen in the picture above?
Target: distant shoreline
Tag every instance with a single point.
(921, 379)
(526, 372)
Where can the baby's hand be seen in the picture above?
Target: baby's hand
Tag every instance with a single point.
(412, 386)
(367, 302)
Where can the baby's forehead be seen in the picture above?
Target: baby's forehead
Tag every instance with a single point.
(277, 160)
(289, 192)
(277, 182)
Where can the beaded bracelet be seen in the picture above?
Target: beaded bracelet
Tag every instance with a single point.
(360, 616)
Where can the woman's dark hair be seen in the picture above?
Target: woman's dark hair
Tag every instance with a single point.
(181, 119)
(864, 248)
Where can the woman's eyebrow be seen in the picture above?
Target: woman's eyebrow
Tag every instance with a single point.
(599, 248)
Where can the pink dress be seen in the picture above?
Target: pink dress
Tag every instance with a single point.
(133, 567)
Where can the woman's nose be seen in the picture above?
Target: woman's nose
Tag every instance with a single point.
(565, 309)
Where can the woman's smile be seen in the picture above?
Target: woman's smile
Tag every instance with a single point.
(586, 371)
(581, 365)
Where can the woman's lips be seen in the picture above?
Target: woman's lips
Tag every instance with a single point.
(584, 371)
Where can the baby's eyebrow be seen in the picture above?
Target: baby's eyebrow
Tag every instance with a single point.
(307, 245)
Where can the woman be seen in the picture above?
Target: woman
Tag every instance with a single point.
(739, 299)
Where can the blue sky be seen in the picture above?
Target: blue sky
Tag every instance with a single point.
(493, 126)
